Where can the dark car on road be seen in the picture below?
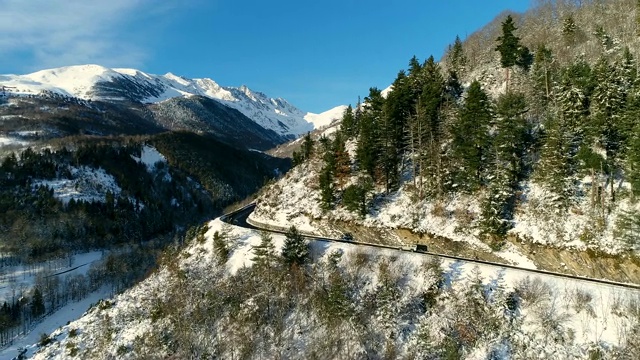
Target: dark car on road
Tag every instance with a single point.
(347, 236)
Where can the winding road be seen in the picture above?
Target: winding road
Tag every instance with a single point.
(240, 218)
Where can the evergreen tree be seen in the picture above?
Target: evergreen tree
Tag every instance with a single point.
(453, 87)
(307, 147)
(511, 52)
(264, 254)
(354, 197)
(543, 78)
(327, 189)
(569, 30)
(415, 79)
(607, 105)
(295, 249)
(496, 207)
(398, 108)
(305, 152)
(512, 134)
(37, 303)
(327, 175)
(633, 161)
(368, 151)
(342, 167)
(457, 58)
(220, 246)
(348, 125)
(470, 139)
(555, 167)
(431, 102)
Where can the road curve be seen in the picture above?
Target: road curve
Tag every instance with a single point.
(240, 218)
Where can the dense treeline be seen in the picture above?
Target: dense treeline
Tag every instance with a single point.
(48, 115)
(553, 122)
(36, 225)
(134, 226)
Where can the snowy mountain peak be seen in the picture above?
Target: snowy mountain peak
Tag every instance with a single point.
(324, 119)
(95, 82)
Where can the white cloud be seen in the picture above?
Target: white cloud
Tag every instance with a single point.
(64, 32)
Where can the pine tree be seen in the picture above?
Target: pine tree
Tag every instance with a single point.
(348, 125)
(431, 102)
(511, 52)
(307, 147)
(569, 30)
(543, 78)
(220, 246)
(305, 152)
(607, 105)
(415, 78)
(633, 161)
(355, 196)
(496, 207)
(327, 175)
(37, 303)
(342, 167)
(555, 168)
(295, 249)
(398, 107)
(327, 191)
(453, 87)
(512, 134)
(457, 58)
(264, 254)
(470, 139)
(368, 151)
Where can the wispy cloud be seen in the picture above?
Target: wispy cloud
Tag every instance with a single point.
(51, 33)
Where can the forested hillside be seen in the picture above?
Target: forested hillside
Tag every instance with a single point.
(129, 197)
(196, 182)
(233, 293)
(529, 130)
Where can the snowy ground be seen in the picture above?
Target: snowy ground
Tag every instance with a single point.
(294, 200)
(21, 278)
(150, 157)
(6, 141)
(15, 278)
(598, 324)
(49, 324)
(87, 184)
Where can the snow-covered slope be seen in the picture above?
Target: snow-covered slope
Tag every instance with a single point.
(324, 119)
(199, 307)
(94, 82)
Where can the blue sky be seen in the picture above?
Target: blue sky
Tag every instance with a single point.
(315, 54)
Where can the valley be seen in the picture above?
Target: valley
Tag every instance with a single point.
(484, 204)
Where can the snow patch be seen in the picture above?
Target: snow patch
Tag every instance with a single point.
(86, 184)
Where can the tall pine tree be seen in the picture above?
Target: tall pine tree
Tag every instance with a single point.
(511, 51)
(470, 139)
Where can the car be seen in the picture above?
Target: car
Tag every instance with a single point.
(421, 248)
(347, 236)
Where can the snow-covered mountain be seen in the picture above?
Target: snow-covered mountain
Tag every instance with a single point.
(94, 82)
(325, 118)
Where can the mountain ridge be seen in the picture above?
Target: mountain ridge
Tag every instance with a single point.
(96, 82)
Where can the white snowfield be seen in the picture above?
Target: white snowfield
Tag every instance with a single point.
(324, 119)
(16, 280)
(86, 184)
(80, 81)
(150, 157)
(599, 321)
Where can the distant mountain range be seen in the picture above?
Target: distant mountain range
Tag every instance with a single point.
(174, 102)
